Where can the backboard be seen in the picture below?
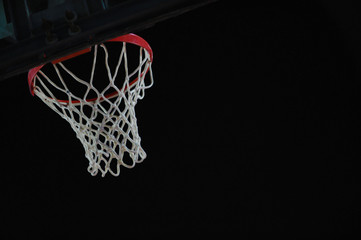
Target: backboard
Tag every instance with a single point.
(33, 32)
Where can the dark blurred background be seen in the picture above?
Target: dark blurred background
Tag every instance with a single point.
(252, 127)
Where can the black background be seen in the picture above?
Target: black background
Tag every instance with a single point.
(252, 127)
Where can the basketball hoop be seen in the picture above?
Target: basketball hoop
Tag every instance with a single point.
(103, 118)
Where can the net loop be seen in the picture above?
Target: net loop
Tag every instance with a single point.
(103, 119)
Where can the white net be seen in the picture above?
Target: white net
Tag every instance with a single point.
(103, 118)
